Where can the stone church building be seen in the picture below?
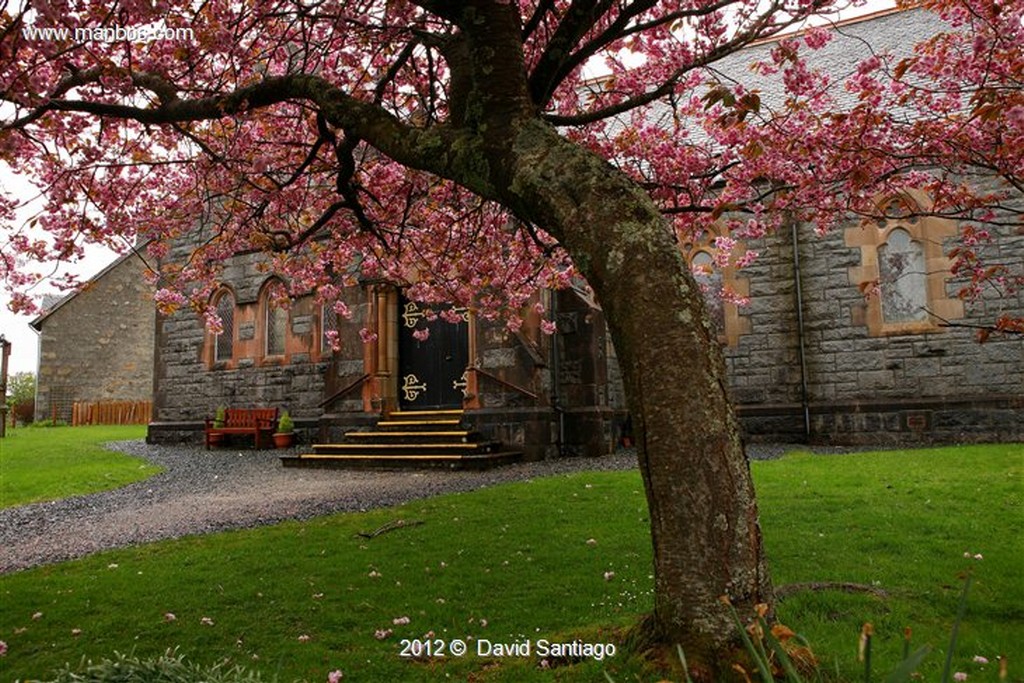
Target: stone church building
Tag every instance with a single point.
(96, 344)
(810, 357)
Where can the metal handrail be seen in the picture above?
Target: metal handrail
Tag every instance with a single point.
(344, 390)
(509, 385)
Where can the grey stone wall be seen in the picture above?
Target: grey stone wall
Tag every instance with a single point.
(863, 388)
(97, 345)
(189, 385)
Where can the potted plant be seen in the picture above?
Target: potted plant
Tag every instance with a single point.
(284, 437)
(214, 438)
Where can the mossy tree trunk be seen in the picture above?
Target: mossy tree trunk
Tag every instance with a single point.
(704, 519)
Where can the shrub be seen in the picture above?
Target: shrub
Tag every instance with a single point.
(168, 668)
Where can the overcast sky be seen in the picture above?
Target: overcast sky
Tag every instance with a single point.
(15, 328)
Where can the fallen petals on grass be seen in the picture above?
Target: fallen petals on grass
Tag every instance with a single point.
(335, 676)
(37, 616)
(382, 633)
(169, 616)
(304, 638)
(400, 621)
(959, 676)
(3, 649)
(206, 621)
(978, 659)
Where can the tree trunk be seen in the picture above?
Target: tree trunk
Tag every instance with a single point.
(704, 521)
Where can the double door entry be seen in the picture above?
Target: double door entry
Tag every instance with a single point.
(432, 364)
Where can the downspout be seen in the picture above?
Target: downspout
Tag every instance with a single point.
(801, 342)
(556, 377)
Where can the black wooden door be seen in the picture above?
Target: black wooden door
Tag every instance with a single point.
(431, 371)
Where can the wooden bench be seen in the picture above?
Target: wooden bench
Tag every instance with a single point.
(255, 421)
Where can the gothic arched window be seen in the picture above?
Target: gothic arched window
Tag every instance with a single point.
(224, 341)
(701, 254)
(903, 268)
(710, 280)
(902, 279)
(275, 319)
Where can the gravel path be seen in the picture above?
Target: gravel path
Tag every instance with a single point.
(205, 491)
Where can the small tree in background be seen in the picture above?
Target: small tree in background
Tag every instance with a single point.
(21, 397)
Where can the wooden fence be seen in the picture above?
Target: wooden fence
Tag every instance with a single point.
(112, 413)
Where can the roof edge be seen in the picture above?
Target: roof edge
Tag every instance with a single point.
(37, 323)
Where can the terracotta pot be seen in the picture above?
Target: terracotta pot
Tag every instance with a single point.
(284, 440)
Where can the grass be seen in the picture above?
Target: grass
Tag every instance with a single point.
(47, 463)
(298, 600)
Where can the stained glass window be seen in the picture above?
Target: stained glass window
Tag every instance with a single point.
(710, 280)
(277, 328)
(902, 280)
(329, 325)
(224, 344)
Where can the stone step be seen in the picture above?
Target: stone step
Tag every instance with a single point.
(411, 448)
(424, 436)
(386, 425)
(410, 439)
(421, 461)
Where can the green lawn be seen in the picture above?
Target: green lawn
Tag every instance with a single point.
(46, 463)
(529, 561)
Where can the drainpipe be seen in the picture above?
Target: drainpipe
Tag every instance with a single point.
(802, 349)
(556, 377)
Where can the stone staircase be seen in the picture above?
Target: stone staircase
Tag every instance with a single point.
(410, 440)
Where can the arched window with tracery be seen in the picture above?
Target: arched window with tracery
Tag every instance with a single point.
(710, 280)
(902, 280)
(903, 267)
(275, 318)
(703, 255)
(328, 328)
(224, 341)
